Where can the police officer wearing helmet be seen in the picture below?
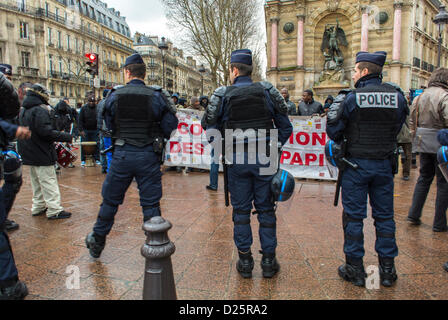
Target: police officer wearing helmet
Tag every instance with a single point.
(140, 118)
(369, 120)
(248, 105)
(6, 69)
(12, 165)
(10, 286)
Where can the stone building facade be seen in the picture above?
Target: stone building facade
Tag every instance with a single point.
(402, 28)
(182, 74)
(46, 41)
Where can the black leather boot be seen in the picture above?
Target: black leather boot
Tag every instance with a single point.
(245, 264)
(269, 265)
(353, 271)
(16, 292)
(95, 244)
(11, 225)
(388, 274)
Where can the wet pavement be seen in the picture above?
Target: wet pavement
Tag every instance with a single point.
(309, 250)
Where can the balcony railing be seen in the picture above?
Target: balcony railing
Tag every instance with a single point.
(28, 72)
(153, 65)
(41, 13)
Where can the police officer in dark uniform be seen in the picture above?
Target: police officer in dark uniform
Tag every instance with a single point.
(368, 119)
(12, 165)
(140, 118)
(10, 286)
(247, 105)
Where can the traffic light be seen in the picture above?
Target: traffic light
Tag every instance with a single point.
(92, 63)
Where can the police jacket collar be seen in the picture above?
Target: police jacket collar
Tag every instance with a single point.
(368, 80)
(136, 82)
(242, 80)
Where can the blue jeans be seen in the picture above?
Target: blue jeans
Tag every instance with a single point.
(214, 172)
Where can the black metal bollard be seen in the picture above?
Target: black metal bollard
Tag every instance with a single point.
(159, 279)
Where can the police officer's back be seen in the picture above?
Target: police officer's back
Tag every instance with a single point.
(369, 120)
(10, 286)
(140, 118)
(248, 105)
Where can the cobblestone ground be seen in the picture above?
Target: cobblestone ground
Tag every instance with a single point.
(310, 243)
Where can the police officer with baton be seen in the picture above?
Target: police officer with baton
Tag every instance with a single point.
(246, 106)
(368, 119)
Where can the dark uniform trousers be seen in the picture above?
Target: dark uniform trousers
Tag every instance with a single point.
(373, 178)
(8, 270)
(246, 185)
(129, 162)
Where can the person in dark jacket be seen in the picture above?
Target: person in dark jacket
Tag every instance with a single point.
(328, 102)
(309, 106)
(87, 125)
(63, 116)
(40, 154)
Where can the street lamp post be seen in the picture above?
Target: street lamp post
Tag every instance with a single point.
(441, 19)
(163, 47)
(202, 71)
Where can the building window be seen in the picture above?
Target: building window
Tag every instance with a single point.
(51, 63)
(68, 42)
(60, 65)
(24, 30)
(59, 40)
(50, 37)
(21, 5)
(25, 59)
(56, 13)
(47, 9)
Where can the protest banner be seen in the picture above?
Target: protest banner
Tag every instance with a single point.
(303, 155)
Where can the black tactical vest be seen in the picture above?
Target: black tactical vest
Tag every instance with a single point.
(372, 131)
(247, 108)
(134, 118)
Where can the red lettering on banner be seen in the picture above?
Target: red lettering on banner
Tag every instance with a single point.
(198, 130)
(188, 147)
(322, 139)
(199, 149)
(174, 144)
(296, 159)
(321, 160)
(285, 156)
(291, 138)
(299, 138)
(181, 129)
(310, 157)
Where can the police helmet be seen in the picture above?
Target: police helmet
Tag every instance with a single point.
(333, 153)
(12, 163)
(282, 185)
(442, 157)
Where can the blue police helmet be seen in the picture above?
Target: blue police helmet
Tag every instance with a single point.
(282, 186)
(442, 157)
(12, 161)
(333, 153)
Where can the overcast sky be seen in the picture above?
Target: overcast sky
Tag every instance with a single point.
(148, 16)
